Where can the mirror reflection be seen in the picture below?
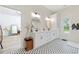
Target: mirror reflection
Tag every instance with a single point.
(10, 20)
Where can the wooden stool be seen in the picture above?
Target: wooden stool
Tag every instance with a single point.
(28, 43)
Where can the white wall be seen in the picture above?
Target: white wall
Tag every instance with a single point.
(26, 17)
(72, 13)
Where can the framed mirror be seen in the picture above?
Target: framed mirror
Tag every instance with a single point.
(35, 24)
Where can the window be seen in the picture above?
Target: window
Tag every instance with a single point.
(66, 25)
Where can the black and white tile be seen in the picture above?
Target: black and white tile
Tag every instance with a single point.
(56, 46)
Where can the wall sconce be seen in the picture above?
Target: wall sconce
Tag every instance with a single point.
(50, 21)
(47, 18)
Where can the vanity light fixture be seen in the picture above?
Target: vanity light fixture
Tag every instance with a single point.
(35, 15)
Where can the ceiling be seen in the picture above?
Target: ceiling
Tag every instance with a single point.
(4, 10)
(55, 8)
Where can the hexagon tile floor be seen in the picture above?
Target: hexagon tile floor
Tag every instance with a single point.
(56, 46)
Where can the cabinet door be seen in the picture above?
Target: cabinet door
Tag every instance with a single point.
(43, 38)
(37, 40)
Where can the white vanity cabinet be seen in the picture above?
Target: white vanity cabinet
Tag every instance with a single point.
(41, 38)
(44, 33)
